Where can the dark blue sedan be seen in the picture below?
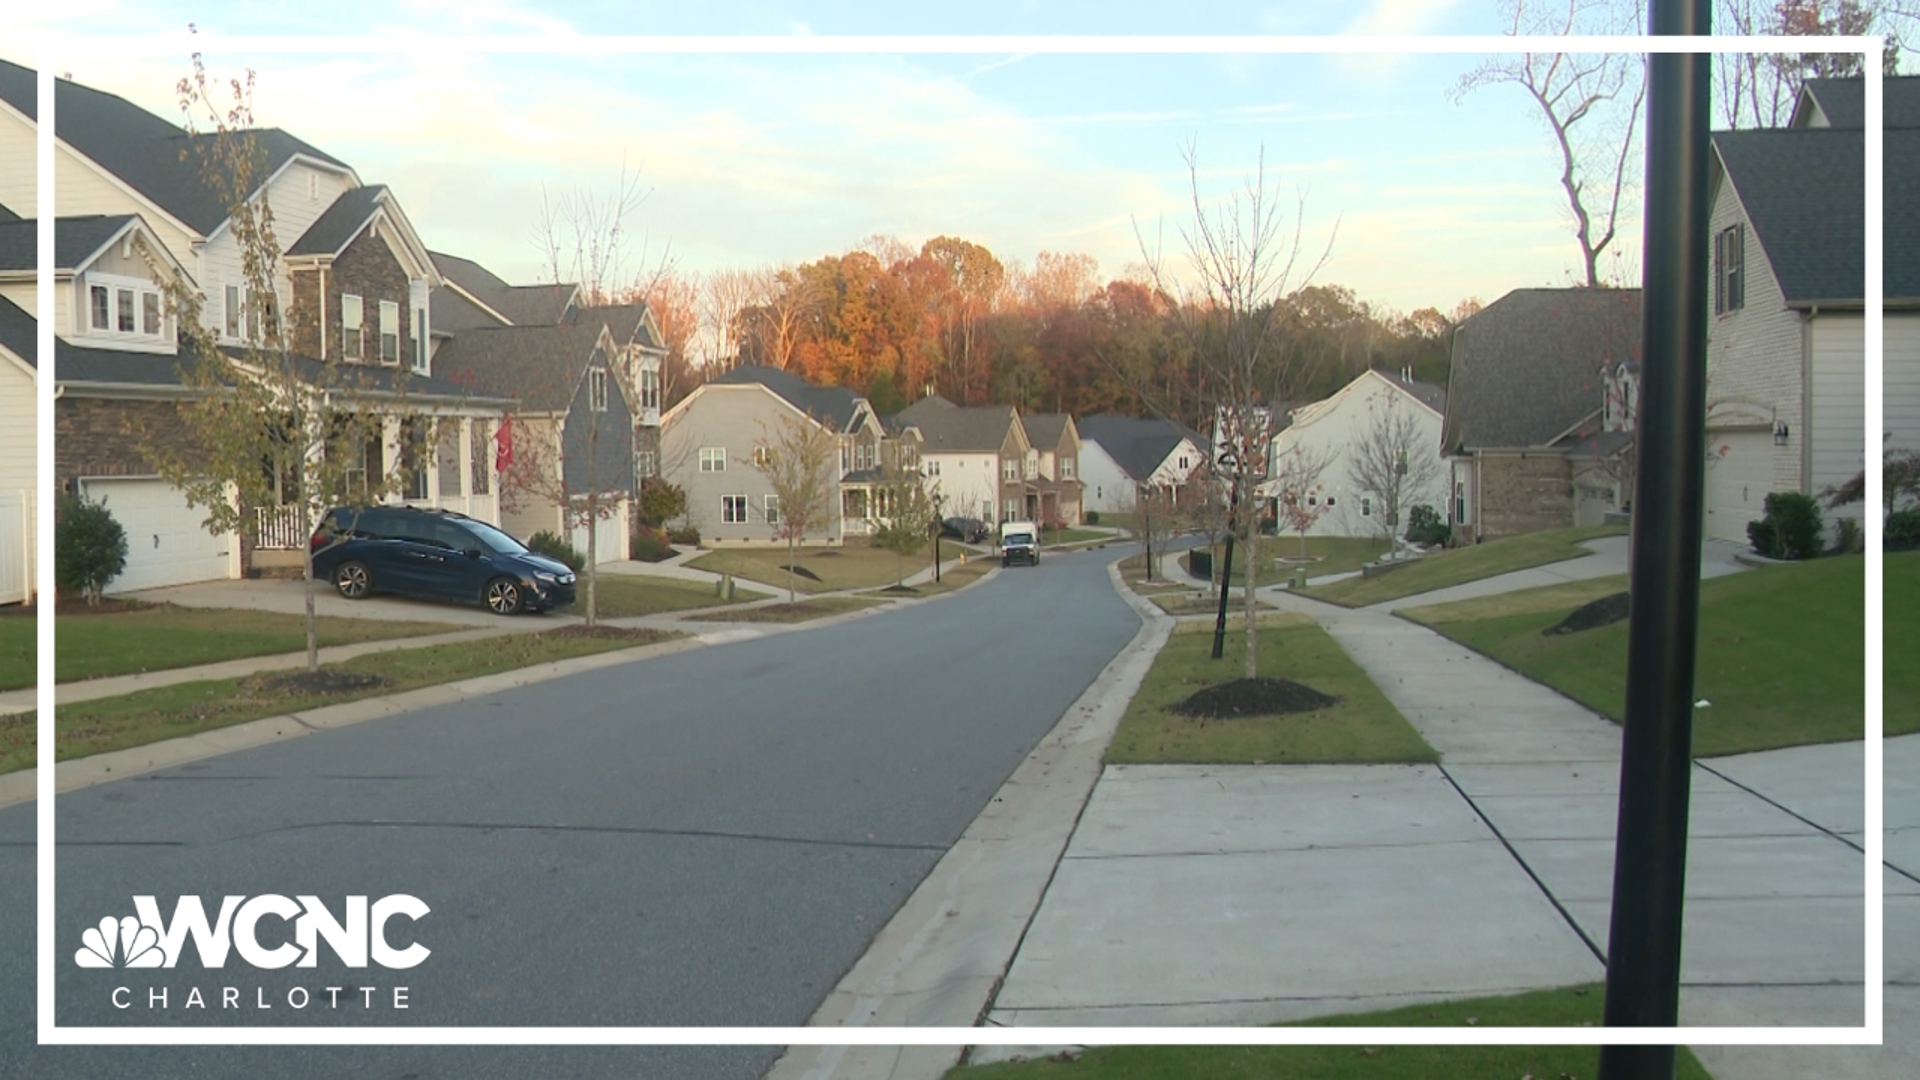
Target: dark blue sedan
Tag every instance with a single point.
(436, 554)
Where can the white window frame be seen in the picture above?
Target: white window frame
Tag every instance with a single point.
(233, 311)
(353, 331)
(597, 389)
(420, 341)
(649, 388)
(1009, 470)
(762, 456)
(1730, 269)
(643, 463)
(389, 329)
(1366, 506)
(1066, 468)
(713, 459)
(733, 510)
(132, 292)
(770, 508)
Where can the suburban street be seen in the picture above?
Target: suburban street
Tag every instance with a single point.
(706, 838)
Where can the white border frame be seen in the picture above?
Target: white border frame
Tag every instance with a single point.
(48, 49)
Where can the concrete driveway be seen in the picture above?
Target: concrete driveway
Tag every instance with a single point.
(289, 597)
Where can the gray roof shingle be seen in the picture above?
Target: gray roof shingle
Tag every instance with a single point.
(1844, 101)
(1137, 445)
(521, 305)
(1803, 190)
(152, 156)
(947, 428)
(340, 222)
(17, 332)
(834, 405)
(1046, 429)
(1526, 368)
(540, 366)
(74, 240)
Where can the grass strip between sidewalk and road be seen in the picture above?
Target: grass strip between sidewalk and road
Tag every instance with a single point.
(854, 565)
(168, 712)
(1281, 555)
(819, 607)
(624, 596)
(957, 576)
(1457, 566)
(1579, 1006)
(1780, 657)
(1362, 727)
(161, 637)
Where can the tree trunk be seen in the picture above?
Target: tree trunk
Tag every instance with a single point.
(790, 557)
(1253, 600)
(313, 624)
(593, 555)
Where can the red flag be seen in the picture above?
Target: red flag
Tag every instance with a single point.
(503, 446)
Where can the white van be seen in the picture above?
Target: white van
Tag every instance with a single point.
(1019, 542)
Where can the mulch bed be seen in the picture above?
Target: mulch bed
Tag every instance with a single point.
(801, 571)
(1252, 697)
(1602, 612)
(324, 681)
(901, 590)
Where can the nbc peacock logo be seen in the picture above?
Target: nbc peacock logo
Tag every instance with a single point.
(122, 943)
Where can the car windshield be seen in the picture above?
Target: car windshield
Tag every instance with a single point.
(1019, 538)
(495, 539)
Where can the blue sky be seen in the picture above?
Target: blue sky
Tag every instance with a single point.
(761, 159)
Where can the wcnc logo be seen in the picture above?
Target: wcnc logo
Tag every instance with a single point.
(357, 936)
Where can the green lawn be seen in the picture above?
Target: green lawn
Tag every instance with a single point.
(1056, 537)
(1781, 651)
(1325, 555)
(818, 607)
(163, 637)
(18, 649)
(1579, 1006)
(622, 596)
(852, 566)
(1186, 603)
(1900, 632)
(1362, 727)
(1457, 566)
(115, 723)
(958, 576)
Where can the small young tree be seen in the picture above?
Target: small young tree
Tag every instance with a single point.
(1156, 517)
(660, 501)
(266, 426)
(1391, 461)
(907, 515)
(89, 548)
(797, 456)
(1296, 487)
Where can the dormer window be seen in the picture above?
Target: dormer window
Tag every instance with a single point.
(352, 338)
(125, 308)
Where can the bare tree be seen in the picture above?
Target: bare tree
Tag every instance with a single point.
(907, 517)
(1241, 263)
(1392, 461)
(583, 238)
(1590, 103)
(1296, 489)
(1758, 90)
(797, 457)
(269, 429)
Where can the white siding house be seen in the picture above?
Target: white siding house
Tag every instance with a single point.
(17, 454)
(1332, 430)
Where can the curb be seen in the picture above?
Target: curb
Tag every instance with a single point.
(941, 958)
(103, 768)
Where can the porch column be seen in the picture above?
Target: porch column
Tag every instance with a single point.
(466, 465)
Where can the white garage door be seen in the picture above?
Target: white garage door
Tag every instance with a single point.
(15, 567)
(1739, 476)
(166, 542)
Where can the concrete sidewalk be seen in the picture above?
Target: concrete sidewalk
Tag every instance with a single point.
(1194, 894)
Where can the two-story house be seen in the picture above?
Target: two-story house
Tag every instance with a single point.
(19, 382)
(978, 457)
(1122, 455)
(1786, 352)
(1056, 447)
(352, 288)
(709, 442)
(1374, 406)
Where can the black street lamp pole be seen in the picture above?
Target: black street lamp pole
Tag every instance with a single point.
(939, 526)
(1226, 574)
(1650, 854)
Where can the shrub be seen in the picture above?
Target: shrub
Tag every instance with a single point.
(1093, 518)
(546, 542)
(89, 548)
(1791, 528)
(660, 501)
(685, 536)
(1425, 526)
(1847, 537)
(1902, 532)
(651, 545)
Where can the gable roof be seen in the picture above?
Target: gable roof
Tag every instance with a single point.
(946, 428)
(1803, 191)
(340, 222)
(76, 240)
(834, 406)
(18, 332)
(1046, 429)
(155, 158)
(519, 305)
(1526, 368)
(541, 366)
(1842, 103)
(1138, 445)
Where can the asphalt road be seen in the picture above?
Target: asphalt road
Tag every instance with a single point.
(709, 838)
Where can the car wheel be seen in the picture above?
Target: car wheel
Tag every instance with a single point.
(504, 596)
(354, 580)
